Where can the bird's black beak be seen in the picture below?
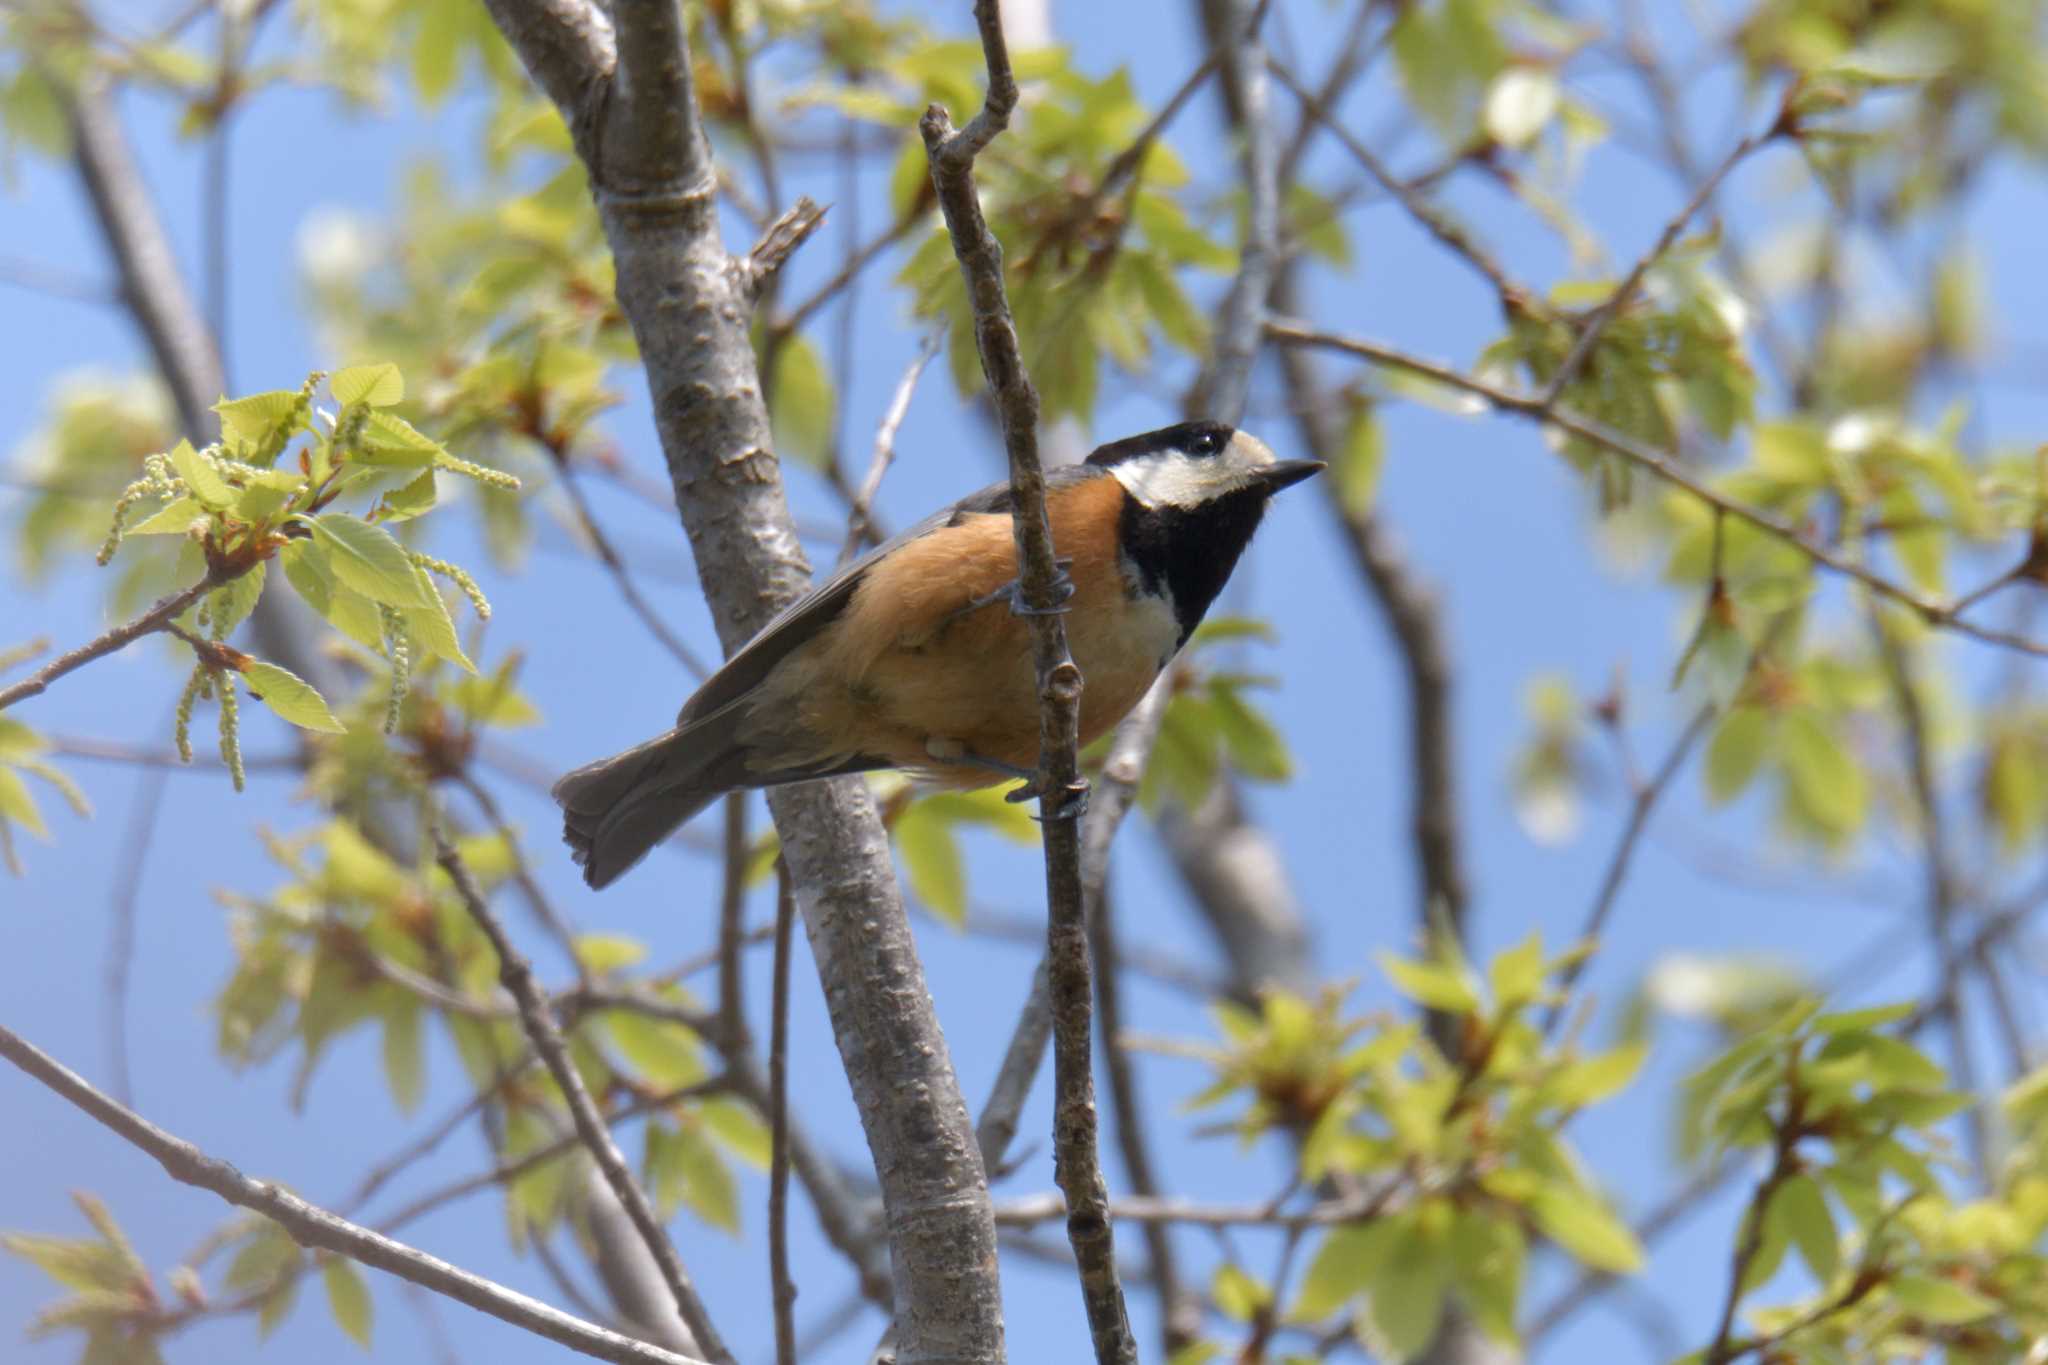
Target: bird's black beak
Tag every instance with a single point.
(1283, 473)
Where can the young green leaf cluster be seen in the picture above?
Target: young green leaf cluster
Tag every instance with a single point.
(1848, 1115)
(252, 499)
(1458, 1160)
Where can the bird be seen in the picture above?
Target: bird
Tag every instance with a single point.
(918, 655)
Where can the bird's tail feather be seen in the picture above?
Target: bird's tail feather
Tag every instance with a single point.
(616, 809)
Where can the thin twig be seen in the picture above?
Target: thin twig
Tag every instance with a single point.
(508, 1171)
(1640, 805)
(1513, 298)
(1076, 1161)
(120, 637)
(616, 566)
(732, 928)
(1589, 335)
(1059, 688)
(856, 261)
(858, 525)
(1044, 1208)
(1225, 382)
(516, 975)
(1940, 615)
(544, 911)
(313, 1226)
(778, 1131)
(149, 805)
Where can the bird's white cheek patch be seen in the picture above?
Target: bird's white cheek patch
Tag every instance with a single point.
(1176, 480)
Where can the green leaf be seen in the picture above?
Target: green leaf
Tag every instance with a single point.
(708, 1187)
(75, 1263)
(1408, 1294)
(1239, 1296)
(366, 558)
(348, 1298)
(602, 954)
(175, 518)
(431, 627)
(292, 697)
(1360, 459)
(1516, 976)
(1824, 777)
(392, 441)
(1581, 1223)
(1346, 1264)
(1740, 744)
(739, 1129)
(404, 1051)
(665, 1053)
(234, 600)
(1579, 1084)
(202, 480)
(1801, 1209)
(1487, 1257)
(259, 418)
(378, 385)
(1255, 747)
(492, 701)
(403, 504)
(307, 570)
(932, 862)
(18, 805)
(1431, 983)
(802, 410)
(1944, 1302)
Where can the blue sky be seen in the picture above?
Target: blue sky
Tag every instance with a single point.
(1485, 512)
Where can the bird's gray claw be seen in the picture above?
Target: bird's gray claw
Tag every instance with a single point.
(1012, 592)
(1070, 804)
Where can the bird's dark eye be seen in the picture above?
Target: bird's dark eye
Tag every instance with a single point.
(1206, 443)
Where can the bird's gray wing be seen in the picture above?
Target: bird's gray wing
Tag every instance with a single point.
(801, 621)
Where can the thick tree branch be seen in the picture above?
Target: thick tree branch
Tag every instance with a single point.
(313, 1226)
(1076, 1161)
(686, 299)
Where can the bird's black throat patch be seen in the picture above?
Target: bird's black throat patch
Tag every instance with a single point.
(1190, 551)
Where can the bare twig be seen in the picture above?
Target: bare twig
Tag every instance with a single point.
(312, 1226)
(1044, 1208)
(779, 242)
(616, 566)
(155, 619)
(1060, 785)
(1641, 803)
(732, 926)
(778, 1129)
(856, 261)
(858, 526)
(1521, 404)
(1226, 379)
(142, 823)
(58, 283)
(517, 977)
(1513, 298)
(113, 751)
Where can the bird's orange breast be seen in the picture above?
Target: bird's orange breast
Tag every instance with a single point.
(913, 664)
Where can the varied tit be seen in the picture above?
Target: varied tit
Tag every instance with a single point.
(917, 657)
